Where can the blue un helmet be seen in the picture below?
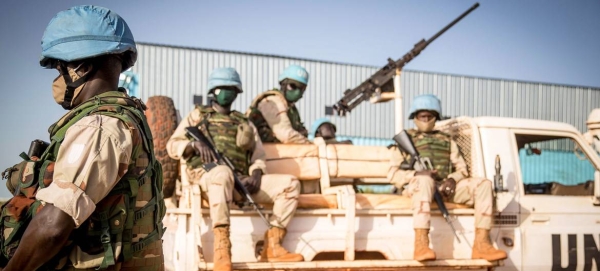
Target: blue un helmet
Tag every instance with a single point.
(296, 73)
(317, 124)
(84, 32)
(427, 102)
(221, 77)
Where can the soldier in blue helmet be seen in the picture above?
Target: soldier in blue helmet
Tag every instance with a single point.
(237, 139)
(93, 198)
(274, 112)
(325, 129)
(450, 176)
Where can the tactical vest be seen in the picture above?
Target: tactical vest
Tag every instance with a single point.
(223, 131)
(264, 130)
(130, 216)
(435, 146)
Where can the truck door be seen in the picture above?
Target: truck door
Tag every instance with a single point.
(559, 223)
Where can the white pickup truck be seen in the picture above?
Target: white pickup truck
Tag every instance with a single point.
(547, 216)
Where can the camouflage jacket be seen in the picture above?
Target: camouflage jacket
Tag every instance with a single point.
(179, 142)
(274, 127)
(126, 225)
(435, 146)
(223, 132)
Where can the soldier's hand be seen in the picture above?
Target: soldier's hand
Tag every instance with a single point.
(252, 183)
(430, 173)
(200, 149)
(448, 187)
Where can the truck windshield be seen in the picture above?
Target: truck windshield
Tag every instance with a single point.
(554, 165)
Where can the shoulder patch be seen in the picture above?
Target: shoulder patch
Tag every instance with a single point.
(75, 152)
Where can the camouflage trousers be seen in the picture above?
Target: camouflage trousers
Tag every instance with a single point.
(475, 192)
(281, 190)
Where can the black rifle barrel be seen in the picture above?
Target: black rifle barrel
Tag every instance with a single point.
(353, 97)
(195, 133)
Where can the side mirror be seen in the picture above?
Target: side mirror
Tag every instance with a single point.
(531, 151)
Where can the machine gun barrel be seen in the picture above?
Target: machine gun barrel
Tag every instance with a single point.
(353, 97)
(197, 135)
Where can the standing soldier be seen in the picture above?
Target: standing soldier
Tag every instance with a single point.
(451, 176)
(274, 113)
(237, 139)
(99, 203)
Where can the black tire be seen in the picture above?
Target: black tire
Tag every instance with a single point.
(162, 119)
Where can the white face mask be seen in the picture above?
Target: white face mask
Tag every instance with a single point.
(61, 90)
(423, 126)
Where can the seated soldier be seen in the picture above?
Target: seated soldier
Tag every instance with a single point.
(237, 139)
(450, 176)
(326, 129)
(274, 112)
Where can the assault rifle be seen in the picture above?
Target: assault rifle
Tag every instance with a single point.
(422, 163)
(383, 77)
(197, 135)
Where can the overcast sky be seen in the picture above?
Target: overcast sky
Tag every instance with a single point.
(546, 41)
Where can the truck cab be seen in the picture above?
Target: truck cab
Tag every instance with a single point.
(546, 206)
(550, 200)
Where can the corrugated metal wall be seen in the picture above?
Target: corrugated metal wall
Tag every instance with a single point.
(181, 73)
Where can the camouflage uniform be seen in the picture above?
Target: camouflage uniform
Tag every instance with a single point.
(100, 170)
(217, 185)
(446, 159)
(267, 113)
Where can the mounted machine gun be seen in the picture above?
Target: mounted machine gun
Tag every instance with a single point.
(353, 97)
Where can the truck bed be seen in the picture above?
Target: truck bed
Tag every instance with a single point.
(368, 265)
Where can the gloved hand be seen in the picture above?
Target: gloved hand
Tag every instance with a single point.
(448, 187)
(200, 149)
(252, 183)
(430, 173)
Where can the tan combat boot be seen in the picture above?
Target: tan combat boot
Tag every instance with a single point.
(222, 249)
(273, 251)
(422, 250)
(483, 249)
